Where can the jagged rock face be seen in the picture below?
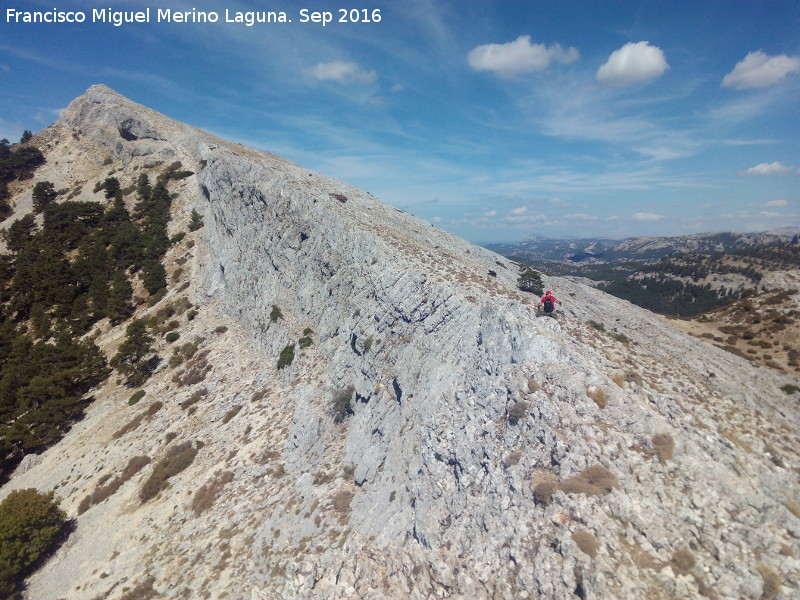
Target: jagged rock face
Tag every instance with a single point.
(490, 453)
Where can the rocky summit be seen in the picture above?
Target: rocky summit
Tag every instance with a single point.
(371, 408)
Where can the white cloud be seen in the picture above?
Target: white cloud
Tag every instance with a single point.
(775, 168)
(522, 215)
(776, 203)
(760, 70)
(519, 56)
(640, 216)
(633, 63)
(770, 214)
(749, 142)
(490, 213)
(397, 87)
(581, 217)
(340, 72)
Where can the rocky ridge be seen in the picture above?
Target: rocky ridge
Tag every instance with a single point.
(487, 452)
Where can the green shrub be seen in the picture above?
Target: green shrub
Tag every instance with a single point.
(275, 314)
(30, 523)
(172, 336)
(367, 344)
(176, 239)
(305, 342)
(178, 458)
(340, 406)
(195, 221)
(790, 389)
(191, 314)
(530, 281)
(286, 357)
(621, 337)
(221, 329)
(598, 326)
(518, 412)
(136, 397)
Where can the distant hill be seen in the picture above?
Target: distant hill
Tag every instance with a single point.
(606, 250)
(684, 283)
(763, 328)
(691, 283)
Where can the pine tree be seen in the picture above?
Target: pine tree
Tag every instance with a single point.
(130, 359)
(30, 523)
(40, 321)
(43, 194)
(20, 233)
(143, 188)
(111, 187)
(119, 305)
(99, 296)
(154, 277)
(196, 221)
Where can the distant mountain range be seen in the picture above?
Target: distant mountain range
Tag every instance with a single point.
(607, 250)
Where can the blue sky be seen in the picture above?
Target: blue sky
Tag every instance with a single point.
(493, 120)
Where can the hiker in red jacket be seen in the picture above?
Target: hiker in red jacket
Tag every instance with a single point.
(548, 301)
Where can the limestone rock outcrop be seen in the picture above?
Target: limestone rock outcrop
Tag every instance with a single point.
(431, 437)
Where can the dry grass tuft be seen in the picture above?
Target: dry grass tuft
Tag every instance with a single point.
(342, 500)
(682, 561)
(586, 542)
(231, 413)
(137, 420)
(543, 492)
(664, 445)
(592, 481)
(597, 394)
(208, 492)
(101, 492)
(142, 591)
(633, 377)
(773, 581)
(177, 459)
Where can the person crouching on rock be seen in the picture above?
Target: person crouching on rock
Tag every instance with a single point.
(548, 302)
